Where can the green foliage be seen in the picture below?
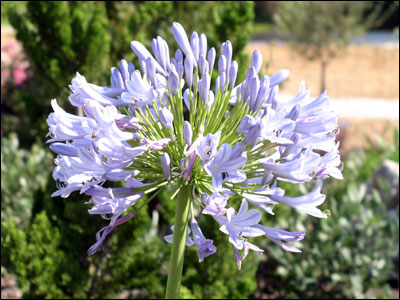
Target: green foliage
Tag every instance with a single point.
(43, 269)
(350, 254)
(22, 173)
(61, 38)
(319, 28)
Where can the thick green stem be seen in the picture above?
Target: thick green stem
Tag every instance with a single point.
(178, 243)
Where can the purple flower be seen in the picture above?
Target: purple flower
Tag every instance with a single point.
(227, 52)
(211, 58)
(182, 40)
(187, 133)
(166, 117)
(246, 247)
(215, 204)
(227, 164)
(189, 70)
(83, 91)
(279, 77)
(256, 60)
(161, 52)
(240, 225)
(203, 65)
(170, 237)
(151, 71)
(64, 149)
(274, 125)
(166, 166)
(144, 54)
(194, 44)
(207, 146)
(299, 169)
(307, 203)
(204, 246)
(232, 74)
(204, 87)
(106, 231)
(156, 145)
(203, 45)
(140, 92)
(173, 81)
(279, 235)
(113, 201)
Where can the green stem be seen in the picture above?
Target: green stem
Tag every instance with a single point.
(178, 243)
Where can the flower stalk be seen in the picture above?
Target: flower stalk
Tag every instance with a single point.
(178, 243)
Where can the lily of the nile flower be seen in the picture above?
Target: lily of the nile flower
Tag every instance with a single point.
(279, 235)
(170, 237)
(100, 238)
(215, 204)
(166, 166)
(207, 146)
(241, 225)
(204, 246)
(112, 201)
(227, 164)
(307, 203)
(160, 124)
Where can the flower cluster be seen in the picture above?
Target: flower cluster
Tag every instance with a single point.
(166, 125)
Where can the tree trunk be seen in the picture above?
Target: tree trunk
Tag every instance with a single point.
(324, 63)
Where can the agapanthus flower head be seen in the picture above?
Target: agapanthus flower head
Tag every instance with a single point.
(164, 122)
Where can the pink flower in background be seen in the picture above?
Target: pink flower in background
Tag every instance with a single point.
(13, 64)
(19, 76)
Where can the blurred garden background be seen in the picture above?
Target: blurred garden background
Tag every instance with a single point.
(349, 48)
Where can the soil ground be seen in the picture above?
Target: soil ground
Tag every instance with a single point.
(363, 71)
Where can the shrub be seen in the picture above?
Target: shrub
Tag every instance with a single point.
(350, 254)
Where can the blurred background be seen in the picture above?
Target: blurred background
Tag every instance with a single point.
(349, 48)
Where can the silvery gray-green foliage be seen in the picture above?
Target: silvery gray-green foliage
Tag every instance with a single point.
(22, 173)
(349, 255)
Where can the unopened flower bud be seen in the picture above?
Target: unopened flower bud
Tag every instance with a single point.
(222, 81)
(194, 43)
(166, 117)
(203, 45)
(63, 149)
(182, 40)
(166, 166)
(151, 72)
(116, 79)
(256, 60)
(123, 67)
(179, 56)
(232, 74)
(179, 70)
(211, 58)
(131, 67)
(204, 87)
(221, 64)
(254, 86)
(189, 70)
(227, 52)
(186, 98)
(263, 91)
(187, 133)
(210, 100)
(203, 65)
(173, 81)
